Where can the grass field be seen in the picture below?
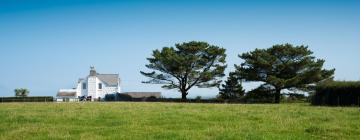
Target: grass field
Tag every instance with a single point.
(176, 121)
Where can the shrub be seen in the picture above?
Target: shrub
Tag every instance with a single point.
(123, 97)
(198, 98)
(337, 93)
(118, 97)
(150, 99)
(110, 97)
(295, 97)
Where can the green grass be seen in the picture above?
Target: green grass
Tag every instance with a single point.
(176, 121)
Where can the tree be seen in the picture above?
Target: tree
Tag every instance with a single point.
(232, 89)
(21, 92)
(283, 67)
(187, 65)
(262, 94)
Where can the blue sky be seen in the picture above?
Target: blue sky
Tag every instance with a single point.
(47, 45)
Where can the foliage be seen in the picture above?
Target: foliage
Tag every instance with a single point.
(232, 89)
(151, 99)
(198, 98)
(118, 97)
(178, 121)
(187, 65)
(337, 93)
(295, 97)
(262, 94)
(283, 67)
(123, 97)
(110, 97)
(21, 92)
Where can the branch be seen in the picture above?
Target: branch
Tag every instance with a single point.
(205, 70)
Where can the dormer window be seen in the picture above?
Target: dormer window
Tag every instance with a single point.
(84, 86)
(100, 85)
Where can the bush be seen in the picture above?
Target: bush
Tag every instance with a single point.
(294, 98)
(110, 97)
(198, 98)
(337, 93)
(118, 97)
(150, 99)
(123, 97)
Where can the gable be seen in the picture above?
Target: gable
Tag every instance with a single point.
(109, 79)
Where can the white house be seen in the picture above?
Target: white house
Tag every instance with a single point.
(95, 86)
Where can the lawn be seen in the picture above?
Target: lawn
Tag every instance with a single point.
(176, 121)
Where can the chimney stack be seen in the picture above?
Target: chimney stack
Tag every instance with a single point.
(92, 71)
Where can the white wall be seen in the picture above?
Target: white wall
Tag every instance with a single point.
(79, 91)
(105, 89)
(92, 88)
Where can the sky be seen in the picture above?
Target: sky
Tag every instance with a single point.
(46, 45)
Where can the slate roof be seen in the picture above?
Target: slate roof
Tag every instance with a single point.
(66, 94)
(109, 79)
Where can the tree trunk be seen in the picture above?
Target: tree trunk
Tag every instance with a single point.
(277, 95)
(183, 95)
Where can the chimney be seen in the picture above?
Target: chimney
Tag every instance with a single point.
(92, 71)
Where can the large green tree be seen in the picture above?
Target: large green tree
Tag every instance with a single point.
(283, 67)
(187, 65)
(232, 89)
(21, 92)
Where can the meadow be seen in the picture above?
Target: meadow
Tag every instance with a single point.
(140, 120)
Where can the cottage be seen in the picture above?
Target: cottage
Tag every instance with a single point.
(67, 95)
(93, 87)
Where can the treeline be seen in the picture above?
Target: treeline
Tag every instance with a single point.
(199, 64)
(286, 71)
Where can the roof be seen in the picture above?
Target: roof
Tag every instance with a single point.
(143, 94)
(109, 79)
(66, 93)
(80, 80)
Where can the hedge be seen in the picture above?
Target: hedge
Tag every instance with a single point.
(337, 93)
(27, 99)
(126, 97)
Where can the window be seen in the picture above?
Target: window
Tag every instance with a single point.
(84, 86)
(100, 86)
